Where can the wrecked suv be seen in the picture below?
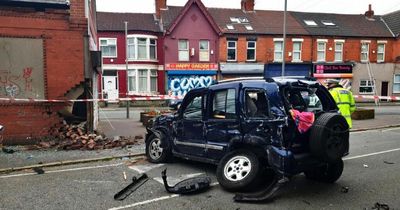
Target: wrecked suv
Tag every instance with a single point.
(246, 125)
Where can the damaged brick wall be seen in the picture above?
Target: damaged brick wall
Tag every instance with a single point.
(63, 34)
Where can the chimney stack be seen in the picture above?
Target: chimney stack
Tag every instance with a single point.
(370, 13)
(247, 5)
(160, 4)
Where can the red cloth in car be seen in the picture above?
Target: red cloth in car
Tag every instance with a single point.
(303, 120)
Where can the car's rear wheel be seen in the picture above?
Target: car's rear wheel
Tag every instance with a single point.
(238, 170)
(157, 149)
(328, 173)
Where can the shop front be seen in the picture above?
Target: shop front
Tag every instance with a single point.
(182, 77)
(291, 69)
(235, 70)
(342, 72)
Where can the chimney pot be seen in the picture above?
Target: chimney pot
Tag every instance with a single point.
(370, 13)
(160, 4)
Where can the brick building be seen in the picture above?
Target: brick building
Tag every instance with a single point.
(145, 75)
(393, 22)
(45, 54)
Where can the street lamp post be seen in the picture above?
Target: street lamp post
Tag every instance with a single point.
(126, 63)
(284, 40)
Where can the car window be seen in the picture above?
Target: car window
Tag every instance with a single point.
(223, 104)
(312, 101)
(194, 109)
(256, 104)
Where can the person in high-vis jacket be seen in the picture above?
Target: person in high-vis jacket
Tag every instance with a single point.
(344, 99)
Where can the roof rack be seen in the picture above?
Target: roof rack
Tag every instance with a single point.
(239, 79)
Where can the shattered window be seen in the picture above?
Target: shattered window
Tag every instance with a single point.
(193, 110)
(256, 104)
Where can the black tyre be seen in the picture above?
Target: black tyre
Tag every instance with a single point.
(157, 148)
(327, 173)
(329, 137)
(238, 170)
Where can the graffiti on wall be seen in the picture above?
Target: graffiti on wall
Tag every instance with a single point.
(180, 85)
(21, 68)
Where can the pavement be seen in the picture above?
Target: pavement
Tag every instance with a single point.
(112, 123)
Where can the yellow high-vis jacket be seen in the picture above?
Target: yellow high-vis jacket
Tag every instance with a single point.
(345, 102)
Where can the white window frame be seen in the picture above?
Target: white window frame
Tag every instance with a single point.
(341, 42)
(278, 40)
(135, 37)
(368, 83)
(364, 42)
(148, 79)
(321, 41)
(300, 41)
(183, 50)
(396, 83)
(231, 48)
(204, 51)
(383, 53)
(251, 48)
(116, 47)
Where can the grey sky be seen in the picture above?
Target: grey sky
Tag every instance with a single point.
(326, 6)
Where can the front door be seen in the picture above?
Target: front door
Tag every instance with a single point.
(384, 89)
(110, 87)
(190, 125)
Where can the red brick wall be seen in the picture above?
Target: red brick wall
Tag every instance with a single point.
(63, 36)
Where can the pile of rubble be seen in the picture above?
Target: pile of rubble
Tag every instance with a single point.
(72, 137)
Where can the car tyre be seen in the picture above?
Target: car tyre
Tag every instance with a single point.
(329, 137)
(238, 170)
(157, 148)
(328, 173)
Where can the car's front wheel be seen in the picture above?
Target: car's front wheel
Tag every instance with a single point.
(157, 149)
(237, 170)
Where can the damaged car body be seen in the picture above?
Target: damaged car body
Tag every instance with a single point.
(245, 126)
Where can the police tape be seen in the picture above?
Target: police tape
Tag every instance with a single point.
(134, 98)
(155, 98)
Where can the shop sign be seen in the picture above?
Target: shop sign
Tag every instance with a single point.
(333, 70)
(191, 66)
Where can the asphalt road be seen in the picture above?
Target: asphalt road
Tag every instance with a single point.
(372, 174)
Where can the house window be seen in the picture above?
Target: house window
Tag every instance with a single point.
(231, 51)
(366, 87)
(338, 51)
(321, 49)
(296, 51)
(142, 47)
(365, 51)
(204, 52)
(251, 50)
(142, 81)
(396, 83)
(278, 54)
(108, 47)
(381, 52)
(183, 50)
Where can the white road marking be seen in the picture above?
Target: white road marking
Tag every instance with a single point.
(63, 170)
(152, 200)
(94, 181)
(390, 129)
(174, 180)
(371, 154)
(145, 167)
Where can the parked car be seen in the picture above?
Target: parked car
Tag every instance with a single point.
(244, 125)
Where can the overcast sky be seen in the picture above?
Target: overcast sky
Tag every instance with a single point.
(326, 6)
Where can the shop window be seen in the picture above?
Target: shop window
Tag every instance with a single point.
(364, 52)
(108, 47)
(142, 81)
(204, 50)
(338, 51)
(231, 50)
(396, 83)
(321, 50)
(381, 52)
(183, 48)
(366, 87)
(224, 106)
(251, 50)
(278, 51)
(296, 51)
(142, 47)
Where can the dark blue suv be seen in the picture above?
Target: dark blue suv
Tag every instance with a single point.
(245, 125)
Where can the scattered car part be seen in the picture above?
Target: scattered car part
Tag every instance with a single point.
(344, 190)
(38, 170)
(388, 162)
(187, 186)
(7, 150)
(136, 183)
(381, 206)
(264, 195)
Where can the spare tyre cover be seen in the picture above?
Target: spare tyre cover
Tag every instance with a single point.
(329, 137)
